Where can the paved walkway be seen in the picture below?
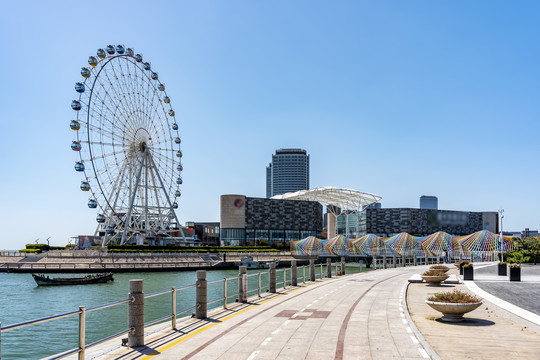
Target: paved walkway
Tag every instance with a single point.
(374, 315)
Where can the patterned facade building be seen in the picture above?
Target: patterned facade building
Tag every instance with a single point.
(249, 221)
(423, 222)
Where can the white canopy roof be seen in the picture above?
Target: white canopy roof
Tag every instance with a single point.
(345, 199)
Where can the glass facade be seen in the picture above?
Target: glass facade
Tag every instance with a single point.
(288, 172)
(351, 224)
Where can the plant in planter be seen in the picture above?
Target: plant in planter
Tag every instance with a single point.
(502, 268)
(434, 277)
(440, 268)
(453, 304)
(515, 272)
(468, 272)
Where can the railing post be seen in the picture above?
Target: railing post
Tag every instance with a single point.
(241, 296)
(259, 284)
(200, 295)
(342, 265)
(394, 261)
(136, 314)
(225, 293)
(415, 260)
(426, 260)
(312, 270)
(403, 261)
(173, 320)
(0, 340)
(374, 262)
(82, 332)
(294, 278)
(272, 279)
(328, 268)
(304, 270)
(321, 270)
(361, 263)
(385, 265)
(284, 278)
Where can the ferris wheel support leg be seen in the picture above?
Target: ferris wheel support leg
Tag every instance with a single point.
(167, 197)
(132, 200)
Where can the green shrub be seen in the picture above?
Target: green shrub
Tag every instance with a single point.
(434, 272)
(30, 251)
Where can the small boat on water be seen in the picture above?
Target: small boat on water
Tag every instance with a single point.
(249, 263)
(88, 279)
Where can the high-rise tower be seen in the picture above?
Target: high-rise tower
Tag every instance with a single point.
(288, 172)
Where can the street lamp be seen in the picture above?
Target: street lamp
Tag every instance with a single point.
(501, 216)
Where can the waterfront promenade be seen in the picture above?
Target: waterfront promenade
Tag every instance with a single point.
(370, 315)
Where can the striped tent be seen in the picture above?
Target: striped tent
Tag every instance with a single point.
(370, 245)
(338, 245)
(309, 246)
(403, 244)
(434, 244)
(484, 242)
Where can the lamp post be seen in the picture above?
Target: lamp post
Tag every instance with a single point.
(501, 216)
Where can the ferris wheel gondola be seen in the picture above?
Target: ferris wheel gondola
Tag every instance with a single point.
(128, 143)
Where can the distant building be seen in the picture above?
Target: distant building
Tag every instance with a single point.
(249, 221)
(423, 222)
(527, 232)
(207, 233)
(429, 202)
(288, 172)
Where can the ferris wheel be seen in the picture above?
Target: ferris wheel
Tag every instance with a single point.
(128, 143)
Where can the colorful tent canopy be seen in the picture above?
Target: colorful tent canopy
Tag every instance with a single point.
(403, 244)
(309, 246)
(480, 243)
(338, 245)
(483, 242)
(370, 245)
(434, 244)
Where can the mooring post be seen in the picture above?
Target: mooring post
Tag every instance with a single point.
(272, 280)
(394, 261)
(385, 265)
(342, 265)
(201, 299)
(294, 278)
(328, 268)
(312, 270)
(426, 260)
(414, 259)
(136, 314)
(403, 261)
(82, 332)
(242, 297)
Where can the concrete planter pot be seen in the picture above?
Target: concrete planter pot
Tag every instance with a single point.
(468, 273)
(501, 269)
(453, 312)
(515, 274)
(434, 280)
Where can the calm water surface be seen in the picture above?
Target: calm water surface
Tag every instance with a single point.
(22, 300)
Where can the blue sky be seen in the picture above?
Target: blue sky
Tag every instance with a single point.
(396, 98)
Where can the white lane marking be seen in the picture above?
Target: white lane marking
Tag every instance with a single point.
(402, 316)
(404, 321)
(301, 310)
(408, 330)
(286, 322)
(320, 298)
(308, 305)
(253, 355)
(295, 315)
(424, 353)
(414, 339)
(276, 331)
(314, 301)
(266, 341)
